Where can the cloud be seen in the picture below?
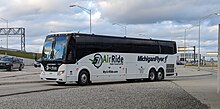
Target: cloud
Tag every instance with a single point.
(157, 19)
(21, 8)
(38, 41)
(152, 11)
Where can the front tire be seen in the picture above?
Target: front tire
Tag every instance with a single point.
(83, 78)
(152, 75)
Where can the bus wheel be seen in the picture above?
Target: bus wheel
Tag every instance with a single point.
(61, 83)
(83, 78)
(160, 75)
(152, 75)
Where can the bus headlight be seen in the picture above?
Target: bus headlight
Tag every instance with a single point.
(42, 72)
(60, 72)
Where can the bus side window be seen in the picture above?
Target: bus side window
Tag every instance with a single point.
(70, 56)
(70, 52)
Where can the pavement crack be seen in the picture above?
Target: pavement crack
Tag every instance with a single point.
(34, 91)
(21, 82)
(18, 75)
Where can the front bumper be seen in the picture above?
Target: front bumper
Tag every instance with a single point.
(4, 66)
(48, 76)
(52, 76)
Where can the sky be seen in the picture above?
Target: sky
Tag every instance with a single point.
(155, 19)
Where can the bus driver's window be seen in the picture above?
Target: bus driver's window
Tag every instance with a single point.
(70, 56)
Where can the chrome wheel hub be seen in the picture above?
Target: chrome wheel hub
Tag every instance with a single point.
(84, 78)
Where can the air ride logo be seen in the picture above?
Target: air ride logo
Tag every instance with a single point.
(98, 60)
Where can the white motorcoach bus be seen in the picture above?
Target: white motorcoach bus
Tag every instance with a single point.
(86, 58)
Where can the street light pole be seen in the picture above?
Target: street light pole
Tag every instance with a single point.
(184, 57)
(218, 74)
(90, 26)
(125, 30)
(185, 44)
(203, 18)
(87, 11)
(199, 48)
(7, 32)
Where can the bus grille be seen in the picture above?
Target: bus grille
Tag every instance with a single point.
(169, 68)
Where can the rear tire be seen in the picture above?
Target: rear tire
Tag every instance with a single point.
(152, 75)
(83, 78)
(160, 75)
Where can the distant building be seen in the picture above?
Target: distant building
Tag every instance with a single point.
(189, 56)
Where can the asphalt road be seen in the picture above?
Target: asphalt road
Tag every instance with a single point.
(204, 88)
(157, 95)
(28, 73)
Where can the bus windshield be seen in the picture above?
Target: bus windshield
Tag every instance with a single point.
(54, 47)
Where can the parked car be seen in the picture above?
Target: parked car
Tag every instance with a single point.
(10, 63)
(179, 62)
(36, 63)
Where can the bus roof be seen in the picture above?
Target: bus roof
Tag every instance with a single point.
(60, 33)
(120, 37)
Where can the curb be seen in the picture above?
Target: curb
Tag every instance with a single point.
(194, 75)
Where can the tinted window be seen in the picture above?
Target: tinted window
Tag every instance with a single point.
(167, 47)
(91, 44)
(6, 59)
